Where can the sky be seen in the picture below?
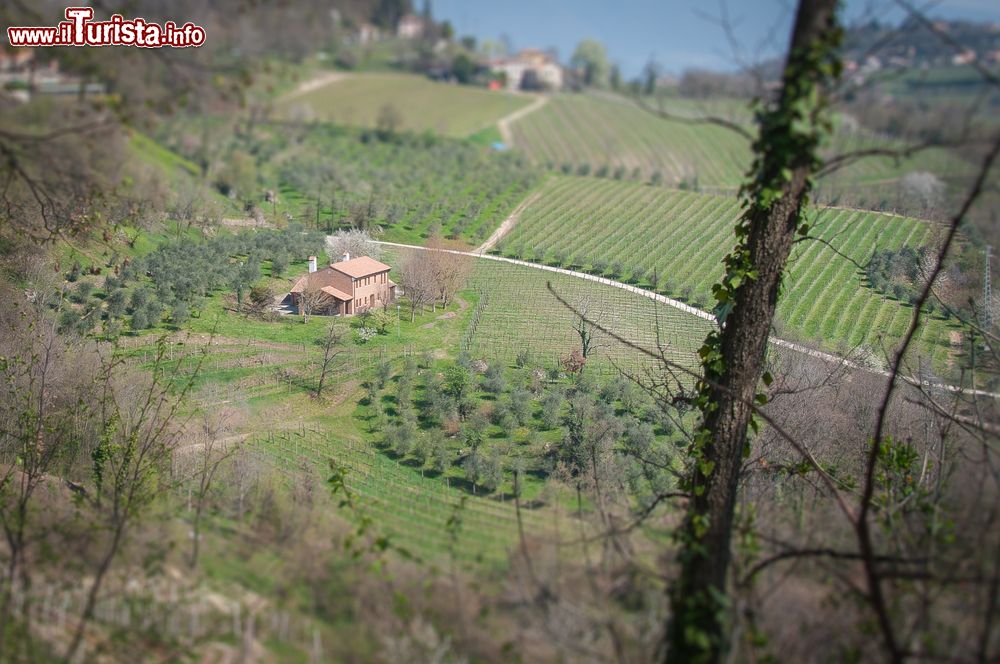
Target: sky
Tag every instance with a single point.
(679, 34)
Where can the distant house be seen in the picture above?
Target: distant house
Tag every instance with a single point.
(347, 287)
(410, 26)
(530, 68)
(367, 33)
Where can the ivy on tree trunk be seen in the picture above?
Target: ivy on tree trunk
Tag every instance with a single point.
(790, 131)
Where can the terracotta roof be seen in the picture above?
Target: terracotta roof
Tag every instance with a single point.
(339, 294)
(300, 285)
(362, 266)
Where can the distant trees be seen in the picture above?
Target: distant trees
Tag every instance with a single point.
(922, 191)
(591, 58)
(388, 12)
(463, 68)
(702, 84)
(355, 242)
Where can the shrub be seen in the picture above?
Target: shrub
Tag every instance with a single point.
(139, 298)
(139, 320)
(82, 292)
(382, 374)
(493, 381)
(583, 169)
(154, 312)
(552, 405)
(520, 406)
(115, 303)
(439, 456)
(523, 358)
(180, 313)
(366, 334)
(70, 320)
(491, 471)
(279, 263)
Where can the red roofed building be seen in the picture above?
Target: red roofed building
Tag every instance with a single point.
(347, 287)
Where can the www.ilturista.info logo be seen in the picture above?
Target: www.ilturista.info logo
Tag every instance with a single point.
(79, 30)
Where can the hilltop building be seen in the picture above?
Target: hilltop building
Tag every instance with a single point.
(347, 287)
(531, 68)
(411, 26)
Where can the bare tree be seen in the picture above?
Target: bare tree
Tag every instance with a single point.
(137, 437)
(210, 456)
(419, 282)
(310, 301)
(354, 242)
(450, 268)
(332, 346)
(45, 403)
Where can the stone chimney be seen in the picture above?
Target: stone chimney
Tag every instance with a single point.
(312, 264)
(346, 257)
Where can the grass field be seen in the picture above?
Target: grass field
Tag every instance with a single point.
(683, 236)
(422, 104)
(517, 312)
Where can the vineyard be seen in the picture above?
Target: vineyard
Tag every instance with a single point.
(574, 131)
(517, 312)
(609, 227)
(421, 104)
(613, 137)
(411, 509)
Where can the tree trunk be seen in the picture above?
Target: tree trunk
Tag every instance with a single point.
(785, 161)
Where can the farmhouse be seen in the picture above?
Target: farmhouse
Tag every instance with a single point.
(410, 26)
(530, 69)
(347, 287)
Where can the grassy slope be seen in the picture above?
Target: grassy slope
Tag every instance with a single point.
(422, 104)
(684, 236)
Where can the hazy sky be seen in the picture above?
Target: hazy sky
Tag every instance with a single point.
(680, 33)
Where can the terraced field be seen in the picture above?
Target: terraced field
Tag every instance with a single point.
(517, 312)
(635, 230)
(598, 131)
(421, 104)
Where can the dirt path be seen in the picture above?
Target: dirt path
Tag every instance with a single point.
(504, 123)
(507, 224)
(315, 84)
